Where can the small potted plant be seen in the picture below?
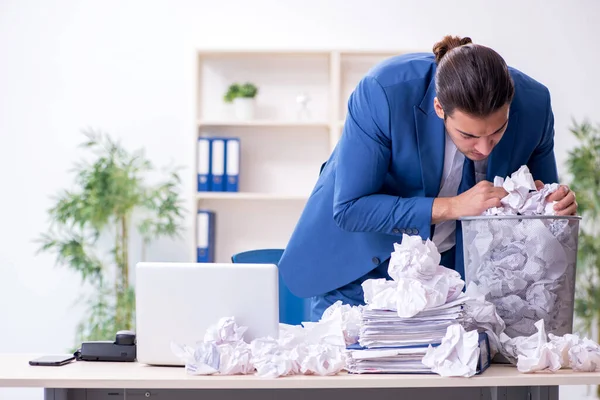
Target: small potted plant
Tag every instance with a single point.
(242, 96)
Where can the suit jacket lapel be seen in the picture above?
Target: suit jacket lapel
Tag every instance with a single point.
(431, 140)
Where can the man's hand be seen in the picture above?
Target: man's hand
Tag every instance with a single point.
(470, 203)
(477, 199)
(565, 198)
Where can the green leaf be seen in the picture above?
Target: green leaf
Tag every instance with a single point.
(583, 163)
(240, 90)
(73, 252)
(248, 90)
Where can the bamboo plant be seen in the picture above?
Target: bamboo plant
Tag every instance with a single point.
(584, 167)
(91, 225)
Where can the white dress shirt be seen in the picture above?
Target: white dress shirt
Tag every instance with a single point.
(444, 235)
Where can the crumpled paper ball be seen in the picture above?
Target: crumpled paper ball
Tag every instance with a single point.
(457, 355)
(350, 317)
(418, 281)
(222, 351)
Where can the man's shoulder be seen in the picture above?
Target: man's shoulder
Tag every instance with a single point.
(404, 69)
(528, 91)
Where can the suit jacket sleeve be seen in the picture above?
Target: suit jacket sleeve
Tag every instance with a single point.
(542, 163)
(364, 155)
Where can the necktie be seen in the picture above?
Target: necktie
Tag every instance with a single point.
(468, 176)
(467, 182)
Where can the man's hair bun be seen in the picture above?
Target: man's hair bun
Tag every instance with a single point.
(448, 43)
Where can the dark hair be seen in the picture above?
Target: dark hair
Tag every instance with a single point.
(471, 78)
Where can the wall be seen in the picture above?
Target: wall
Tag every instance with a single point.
(128, 68)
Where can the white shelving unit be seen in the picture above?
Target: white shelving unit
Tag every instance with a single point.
(280, 153)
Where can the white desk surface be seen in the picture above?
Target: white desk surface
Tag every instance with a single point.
(15, 371)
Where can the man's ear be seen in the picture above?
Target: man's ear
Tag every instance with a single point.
(438, 108)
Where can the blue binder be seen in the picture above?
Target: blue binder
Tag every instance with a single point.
(203, 167)
(217, 147)
(205, 236)
(232, 164)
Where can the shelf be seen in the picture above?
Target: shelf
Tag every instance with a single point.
(249, 196)
(284, 52)
(280, 154)
(264, 124)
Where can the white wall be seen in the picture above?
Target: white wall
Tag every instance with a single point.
(127, 67)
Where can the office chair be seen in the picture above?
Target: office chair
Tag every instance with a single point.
(292, 310)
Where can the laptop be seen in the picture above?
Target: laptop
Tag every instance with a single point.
(179, 301)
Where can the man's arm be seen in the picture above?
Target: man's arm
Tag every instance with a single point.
(363, 161)
(542, 163)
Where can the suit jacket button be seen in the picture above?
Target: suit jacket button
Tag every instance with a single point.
(409, 231)
(396, 230)
(416, 231)
(375, 260)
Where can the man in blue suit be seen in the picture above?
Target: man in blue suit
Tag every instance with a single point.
(424, 137)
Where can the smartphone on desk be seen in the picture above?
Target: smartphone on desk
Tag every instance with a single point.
(53, 360)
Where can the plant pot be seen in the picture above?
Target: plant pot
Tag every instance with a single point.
(244, 108)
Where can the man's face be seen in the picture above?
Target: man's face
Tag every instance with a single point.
(475, 137)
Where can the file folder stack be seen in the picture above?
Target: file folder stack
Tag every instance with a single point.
(218, 164)
(391, 344)
(406, 360)
(384, 328)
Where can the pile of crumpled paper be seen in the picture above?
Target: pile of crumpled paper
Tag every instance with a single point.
(525, 267)
(523, 196)
(541, 352)
(316, 348)
(418, 282)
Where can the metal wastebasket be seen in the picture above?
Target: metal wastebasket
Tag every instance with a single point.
(526, 265)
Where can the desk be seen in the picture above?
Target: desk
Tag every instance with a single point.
(82, 380)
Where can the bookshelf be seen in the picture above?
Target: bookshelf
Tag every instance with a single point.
(281, 150)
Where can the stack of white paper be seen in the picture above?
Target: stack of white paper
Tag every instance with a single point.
(378, 361)
(393, 344)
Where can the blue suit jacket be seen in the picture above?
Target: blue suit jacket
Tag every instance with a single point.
(382, 177)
